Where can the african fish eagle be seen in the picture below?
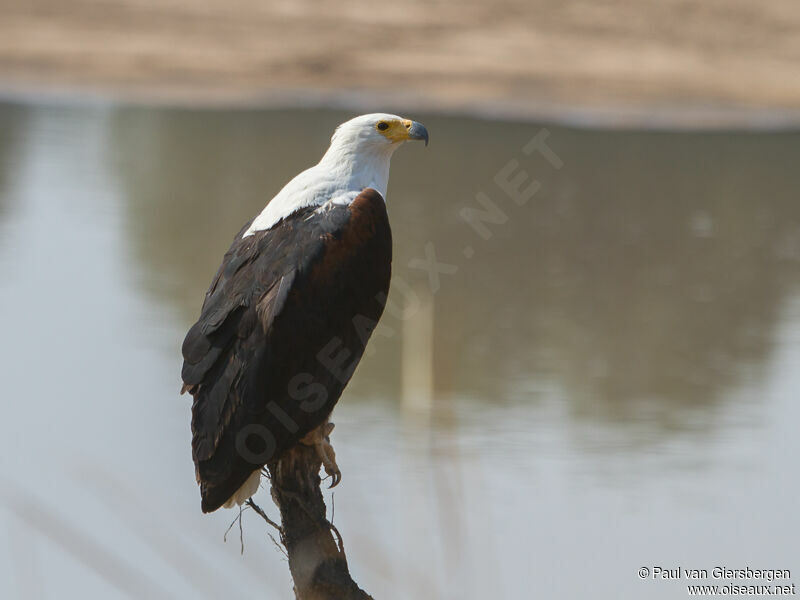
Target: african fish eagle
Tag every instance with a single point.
(289, 312)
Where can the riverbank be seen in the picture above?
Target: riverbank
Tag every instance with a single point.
(676, 63)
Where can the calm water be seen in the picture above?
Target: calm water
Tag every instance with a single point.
(609, 381)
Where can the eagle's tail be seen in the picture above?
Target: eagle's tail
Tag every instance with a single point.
(216, 496)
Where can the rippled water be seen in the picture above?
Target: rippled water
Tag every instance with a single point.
(607, 381)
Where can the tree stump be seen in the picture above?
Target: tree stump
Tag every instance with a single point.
(317, 560)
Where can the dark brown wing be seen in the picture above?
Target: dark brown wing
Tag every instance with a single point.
(283, 325)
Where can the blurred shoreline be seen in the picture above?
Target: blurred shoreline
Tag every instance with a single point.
(675, 64)
(675, 117)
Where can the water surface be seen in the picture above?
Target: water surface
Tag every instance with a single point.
(605, 379)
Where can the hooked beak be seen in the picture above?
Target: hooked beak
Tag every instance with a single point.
(417, 131)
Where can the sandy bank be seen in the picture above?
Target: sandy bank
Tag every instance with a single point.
(671, 62)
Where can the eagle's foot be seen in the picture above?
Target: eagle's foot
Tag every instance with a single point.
(319, 438)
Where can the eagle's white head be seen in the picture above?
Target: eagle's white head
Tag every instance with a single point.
(357, 158)
(375, 133)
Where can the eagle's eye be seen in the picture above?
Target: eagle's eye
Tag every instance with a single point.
(382, 126)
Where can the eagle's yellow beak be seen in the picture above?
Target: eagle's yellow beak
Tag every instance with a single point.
(400, 130)
(415, 131)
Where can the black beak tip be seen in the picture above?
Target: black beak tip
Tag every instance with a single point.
(418, 132)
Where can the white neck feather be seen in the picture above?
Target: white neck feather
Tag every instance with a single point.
(350, 165)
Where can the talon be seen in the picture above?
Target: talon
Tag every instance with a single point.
(328, 457)
(336, 477)
(319, 439)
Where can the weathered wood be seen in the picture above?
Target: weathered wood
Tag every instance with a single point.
(317, 562)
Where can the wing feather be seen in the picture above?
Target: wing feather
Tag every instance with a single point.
(279, 297)
(249, 291)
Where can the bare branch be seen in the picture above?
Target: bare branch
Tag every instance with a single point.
(314, 546)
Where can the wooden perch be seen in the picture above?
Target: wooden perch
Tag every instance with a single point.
(317, 562)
